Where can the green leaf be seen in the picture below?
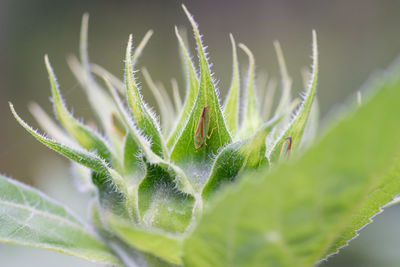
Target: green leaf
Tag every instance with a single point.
(86, 137)
(82, 178)
(160, 244)
(184, 151)
(177, 96)
(85, 158)
(247, 154)
(192, 88)
(252, 117)
(114, 80)
(309, 207)
(82, 175)
(144, 119)
(161, 204)
(132, 159)
(29, 218)
(139, 49)
(310, 132)
(102, 106)
(50, 126)
(169, 102)
(119, 85)
(181, 180)
(268, 98)
(296, 127)
(163, 101)
(286, 81)
(97, 97)
(231, 106)
(104, 174)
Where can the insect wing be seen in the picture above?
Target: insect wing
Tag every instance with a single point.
(202, 128)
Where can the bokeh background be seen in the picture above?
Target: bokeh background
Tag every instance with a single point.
(356, 38)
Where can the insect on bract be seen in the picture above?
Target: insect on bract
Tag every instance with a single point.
(201, 132)
(286, 147)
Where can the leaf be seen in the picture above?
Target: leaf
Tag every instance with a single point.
(231, 106)
(144, 119)
(168, 102)
(286, 81)
(132, 158)
(252, 117)
(177, 97)
(114, 80)
(82, 178)
(98, 99)
(50, 126)
(158, 243)
(192, 88)
(81, 173)
(80, 156)
(311, 130)
(184, 151)
(163, 101)
(161, 204)
(29, 218)
(86, 137)
(181, 180)
(128, 254)
(85, 158)
(139, 49)
(309, 207)
(247, 154)
(296, 127)
(119, 85)
(268, 99)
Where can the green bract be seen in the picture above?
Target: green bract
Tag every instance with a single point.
(160, 191)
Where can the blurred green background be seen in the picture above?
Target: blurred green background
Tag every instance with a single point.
(355, 39)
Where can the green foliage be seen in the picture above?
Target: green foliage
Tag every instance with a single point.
(231, 107)
(29, 218)
(191, 94)
(252, 118)
(239, 156)
(80, 132)
(296, 127)
(184, 152)
(308, 208)
(144, 119)
(243, 193)
(160, 244)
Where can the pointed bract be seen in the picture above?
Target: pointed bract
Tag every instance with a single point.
(97, 98)
(296, 127)
(242, 155)
(252, 118)
(144, 119)
(192, 88)
(82, 134)
(184, 149)
(163, 101)
(231, 106)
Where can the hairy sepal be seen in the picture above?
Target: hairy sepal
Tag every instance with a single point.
(86, 137)
(192, 87)
(144, 119)
(231, 105)
(252, 118)
(184, 152)
(296, 127)
(247, 154)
